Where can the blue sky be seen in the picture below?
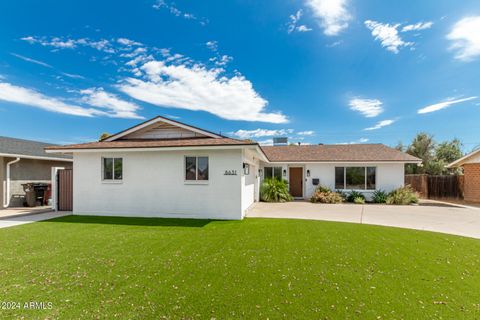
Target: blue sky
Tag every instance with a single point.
(329, 71)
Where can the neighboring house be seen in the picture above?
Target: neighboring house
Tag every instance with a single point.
(471, 171)
(25, 161)
(164, 168)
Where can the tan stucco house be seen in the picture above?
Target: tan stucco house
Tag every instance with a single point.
(25, 161)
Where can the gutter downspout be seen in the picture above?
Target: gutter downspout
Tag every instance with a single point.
(6, 200)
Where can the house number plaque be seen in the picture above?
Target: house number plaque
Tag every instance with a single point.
(230, 173)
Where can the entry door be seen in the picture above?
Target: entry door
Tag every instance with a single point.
(296, 182)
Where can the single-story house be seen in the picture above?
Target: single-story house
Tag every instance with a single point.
(25, 161)
(471, 170)
(165, 168)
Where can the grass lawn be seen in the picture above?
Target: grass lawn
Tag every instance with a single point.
(100, 267)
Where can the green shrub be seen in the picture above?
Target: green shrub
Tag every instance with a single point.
(359, 200)
(354, 194)
(325, 195)
(402, 196)
(323, 189)
(274, 190)
(379, 196)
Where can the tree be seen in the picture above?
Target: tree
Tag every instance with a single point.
(435, 157)
(423, 147)
(104, 135)
(449, 151)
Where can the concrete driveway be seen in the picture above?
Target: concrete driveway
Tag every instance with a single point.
(429, 215)
(16, 220)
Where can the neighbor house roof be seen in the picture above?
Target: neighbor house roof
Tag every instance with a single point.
(155, 143)
(337, 153)
(12, 147)
(471, 157)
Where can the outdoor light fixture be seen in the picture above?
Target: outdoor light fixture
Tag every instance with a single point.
(260, 172)
(246, 168)
(284, 172)
(308, 173)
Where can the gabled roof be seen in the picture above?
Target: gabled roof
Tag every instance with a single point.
(337, 153)
(158, 119)
(13, 147)
(465, 159)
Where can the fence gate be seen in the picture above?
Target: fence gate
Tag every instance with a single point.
(65, 190)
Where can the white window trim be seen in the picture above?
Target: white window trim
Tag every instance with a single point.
(113, 180)
(196, 181)
(365, 182)
(273, 172)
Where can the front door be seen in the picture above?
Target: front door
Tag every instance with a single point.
(296, 182)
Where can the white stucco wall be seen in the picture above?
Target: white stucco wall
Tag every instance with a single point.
(153, 186)
(250, 190)
(389, 176)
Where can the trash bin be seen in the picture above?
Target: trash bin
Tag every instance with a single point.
(30, 197)
(35, 193)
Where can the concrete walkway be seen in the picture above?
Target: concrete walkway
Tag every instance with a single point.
(430, 215)
(11, 221)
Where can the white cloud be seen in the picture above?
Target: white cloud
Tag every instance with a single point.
(119, 108)
(387, 34)
(443, 105)
(292, 25)
(368, 107)
(212, 45)
(417, 26)
(21, 95)
(258, 133)
(306, 133)
(170, 6)
(333, 15)
(73, 76)
(128, 42)
(196, 87)
(465, 36)
(66, 43)
(380, 125)
(31, 60)
(361, 140)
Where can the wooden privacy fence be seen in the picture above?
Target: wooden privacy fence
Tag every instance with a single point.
(436, 186)
(65, 190)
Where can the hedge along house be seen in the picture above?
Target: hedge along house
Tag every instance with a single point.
(164, 168)
(25, 161)
(471, 170)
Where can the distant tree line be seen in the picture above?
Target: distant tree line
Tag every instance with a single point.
(435, 156)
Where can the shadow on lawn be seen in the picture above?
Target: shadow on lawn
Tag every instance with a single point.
(127, 221)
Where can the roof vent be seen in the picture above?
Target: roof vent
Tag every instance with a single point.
(280, 141)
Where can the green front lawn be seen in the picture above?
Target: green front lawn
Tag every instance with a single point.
(100, 267)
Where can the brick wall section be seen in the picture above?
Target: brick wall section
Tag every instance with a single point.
(472, 182)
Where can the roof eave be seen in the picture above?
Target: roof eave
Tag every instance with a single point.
(131, 149)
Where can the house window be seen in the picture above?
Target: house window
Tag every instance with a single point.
(112, 169)
(355, 178)
(196, 168)
(273, 172)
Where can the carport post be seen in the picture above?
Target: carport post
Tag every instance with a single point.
(55, 187)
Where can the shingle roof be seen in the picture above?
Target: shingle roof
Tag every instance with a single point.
(326, 153)
(158, 143)
(21, 147)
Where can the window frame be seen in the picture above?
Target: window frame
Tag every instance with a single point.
(273, 172)
(365, 184)
(113, 179)
(196, 181)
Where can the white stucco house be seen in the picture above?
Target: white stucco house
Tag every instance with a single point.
(164, 168)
